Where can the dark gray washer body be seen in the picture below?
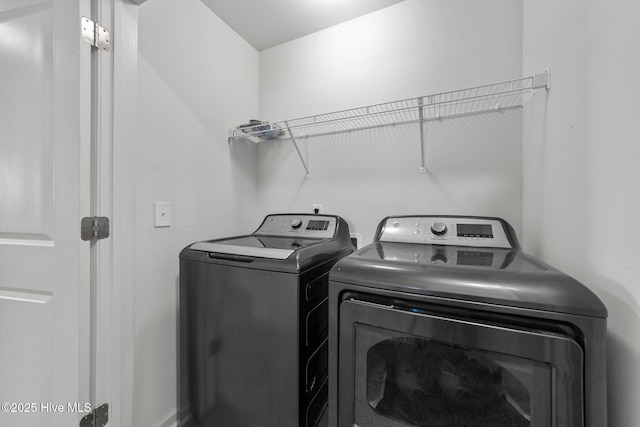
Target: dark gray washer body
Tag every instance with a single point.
(245, 347)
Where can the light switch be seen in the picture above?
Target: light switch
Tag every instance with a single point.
(163, 214)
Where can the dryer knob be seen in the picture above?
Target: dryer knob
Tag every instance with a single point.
(439, 259)
(296, 223)
(439, 228)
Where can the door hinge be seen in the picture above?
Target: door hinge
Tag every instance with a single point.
(99, 417)
(94, 228)
(95, 35)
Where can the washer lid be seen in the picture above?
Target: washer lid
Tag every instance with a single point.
(257, 246)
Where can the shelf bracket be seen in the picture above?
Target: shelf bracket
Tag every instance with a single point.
(295, 144)
(542, 80)
(423, 167)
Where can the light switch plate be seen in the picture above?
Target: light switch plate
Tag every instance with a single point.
(163, 214)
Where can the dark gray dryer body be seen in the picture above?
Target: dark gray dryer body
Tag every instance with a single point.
(444, 321)
(253, 324)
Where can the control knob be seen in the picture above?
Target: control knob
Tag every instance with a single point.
(296, 223)
(439, 258)
(439, 228)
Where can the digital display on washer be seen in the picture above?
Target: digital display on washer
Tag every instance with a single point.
(475, 230)
(480, 259)
(317, 225)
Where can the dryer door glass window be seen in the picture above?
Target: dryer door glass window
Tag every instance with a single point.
(401, 368)
(420, 382)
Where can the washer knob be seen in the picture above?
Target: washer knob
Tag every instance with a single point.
(439, 228)
(296, 223)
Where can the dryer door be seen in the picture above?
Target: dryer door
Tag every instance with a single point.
(399, 367)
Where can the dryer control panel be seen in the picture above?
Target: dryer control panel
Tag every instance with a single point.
(314, 226)
(446, 230)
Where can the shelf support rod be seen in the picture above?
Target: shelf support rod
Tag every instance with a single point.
(423, 167)
(295, 144)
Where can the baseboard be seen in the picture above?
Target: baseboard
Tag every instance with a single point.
(170, 421)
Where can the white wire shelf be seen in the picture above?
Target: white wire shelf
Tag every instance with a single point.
(475, 100)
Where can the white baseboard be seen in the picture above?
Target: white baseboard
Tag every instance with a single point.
(170, 421)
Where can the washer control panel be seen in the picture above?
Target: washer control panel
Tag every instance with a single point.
(454, 231)
(318, 226)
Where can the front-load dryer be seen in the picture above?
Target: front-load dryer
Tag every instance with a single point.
(444, 322)
(253, 324)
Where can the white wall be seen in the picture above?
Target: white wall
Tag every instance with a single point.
(414, 48)
(581, 175)
(196, 78)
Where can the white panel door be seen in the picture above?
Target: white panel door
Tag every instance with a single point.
(44, 191)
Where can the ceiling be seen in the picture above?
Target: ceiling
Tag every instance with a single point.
(268, 23)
